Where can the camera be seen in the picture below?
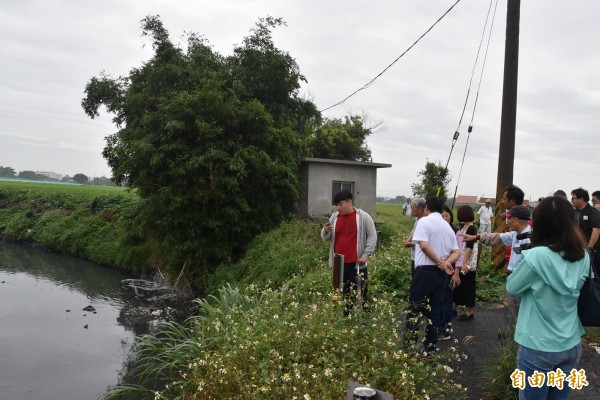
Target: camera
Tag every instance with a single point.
(523, 246)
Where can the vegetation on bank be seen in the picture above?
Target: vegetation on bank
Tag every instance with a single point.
(274, 330)
(91, 222)
(271, 328)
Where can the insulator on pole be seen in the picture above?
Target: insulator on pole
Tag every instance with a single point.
(470, 128)
(456, 134)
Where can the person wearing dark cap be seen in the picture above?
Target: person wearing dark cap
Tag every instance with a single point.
(517, 219)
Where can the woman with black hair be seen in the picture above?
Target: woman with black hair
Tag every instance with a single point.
(548, 278)
(465, 272)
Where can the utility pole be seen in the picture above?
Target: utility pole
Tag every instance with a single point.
(506, 153)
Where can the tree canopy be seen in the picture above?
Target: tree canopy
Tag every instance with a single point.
(80, 178)
(210, 142)
(33, 176)
(344, 140)
(7, 172)
(434, 177)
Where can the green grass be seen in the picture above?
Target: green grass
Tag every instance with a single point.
(90, 222)
(50, 188)
(285, 343)
(272, 329)
(389, 209)
(391, 263)
(58, 196)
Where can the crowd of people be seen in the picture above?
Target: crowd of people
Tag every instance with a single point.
(551, 251)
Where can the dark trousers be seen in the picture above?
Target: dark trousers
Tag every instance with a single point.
(447, 308)
(350, 287)
(427, 293)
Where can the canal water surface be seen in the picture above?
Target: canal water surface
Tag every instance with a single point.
(64, 325)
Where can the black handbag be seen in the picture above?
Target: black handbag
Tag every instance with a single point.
(588, 305)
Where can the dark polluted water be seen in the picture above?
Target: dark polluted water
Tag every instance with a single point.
(66, 325)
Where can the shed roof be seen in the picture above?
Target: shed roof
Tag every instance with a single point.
(344, 162)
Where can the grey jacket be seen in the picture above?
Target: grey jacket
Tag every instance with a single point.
(367, 235)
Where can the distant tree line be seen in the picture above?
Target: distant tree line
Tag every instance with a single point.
(8, 172)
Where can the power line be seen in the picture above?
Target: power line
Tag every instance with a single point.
(483, 66)
(457, 131)
(478, 89)
(368, 84)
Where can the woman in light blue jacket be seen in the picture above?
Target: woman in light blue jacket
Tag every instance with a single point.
(548, 278)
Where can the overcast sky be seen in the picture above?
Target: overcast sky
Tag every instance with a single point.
(50, 49)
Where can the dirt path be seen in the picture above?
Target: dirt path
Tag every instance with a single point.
(478, 339)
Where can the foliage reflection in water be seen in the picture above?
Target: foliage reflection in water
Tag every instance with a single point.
(50, 347)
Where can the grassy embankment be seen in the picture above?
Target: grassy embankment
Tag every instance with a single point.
(274, 329)
(91, 222)
(278, 332)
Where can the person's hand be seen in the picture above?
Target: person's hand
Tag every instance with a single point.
(327, 227)
(468, 238)
(446, 266)
(361, 261)
(408, 243)
(465, 269)
(455, 280)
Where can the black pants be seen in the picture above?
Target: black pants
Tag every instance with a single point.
(350, 287)
(427, 293)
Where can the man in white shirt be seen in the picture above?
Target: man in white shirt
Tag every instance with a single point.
(485, 217)
(435, 252)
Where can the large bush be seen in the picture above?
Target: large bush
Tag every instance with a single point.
(210, 142)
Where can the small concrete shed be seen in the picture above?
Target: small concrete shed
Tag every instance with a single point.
(322, 178)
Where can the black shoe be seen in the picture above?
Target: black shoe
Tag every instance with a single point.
(444, 336)
(466, 317)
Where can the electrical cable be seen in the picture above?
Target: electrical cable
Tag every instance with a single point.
(476, 97)
(457, 131)
(368, 84)
(483, 67)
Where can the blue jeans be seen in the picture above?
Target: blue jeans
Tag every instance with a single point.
(529, 360)
(427, 293)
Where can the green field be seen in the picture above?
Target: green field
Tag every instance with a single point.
(389, 209)
(54, 196)
(62, 188)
